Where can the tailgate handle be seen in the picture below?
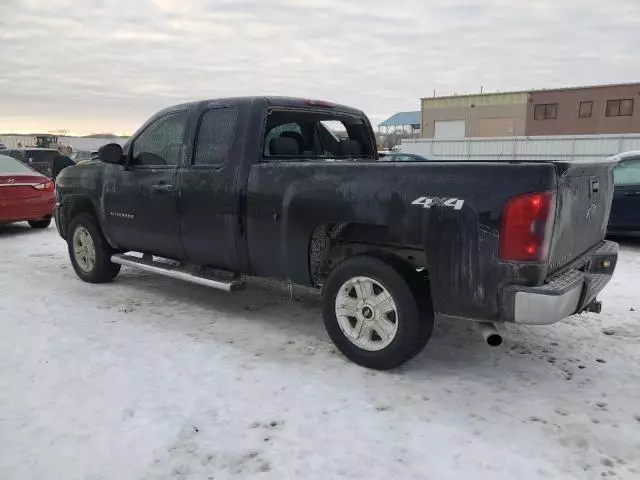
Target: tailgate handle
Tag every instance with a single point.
(163, 187)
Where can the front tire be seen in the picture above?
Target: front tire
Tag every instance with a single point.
(40, 223)
(375, 313)
(89, 251)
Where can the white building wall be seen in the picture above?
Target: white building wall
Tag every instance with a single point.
(77, 143)
(449, 129)
(12, 141)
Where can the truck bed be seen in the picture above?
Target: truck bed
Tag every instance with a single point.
(461, 246)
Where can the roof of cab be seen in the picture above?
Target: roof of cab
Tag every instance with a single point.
(274, 101)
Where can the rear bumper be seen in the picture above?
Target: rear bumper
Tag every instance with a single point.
(27, 209)
(567, 294)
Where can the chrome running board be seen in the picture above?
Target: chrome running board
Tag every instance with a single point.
(177, 271)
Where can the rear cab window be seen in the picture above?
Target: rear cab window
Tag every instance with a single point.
(311, 134)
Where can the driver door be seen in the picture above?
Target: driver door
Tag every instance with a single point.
(141, 199)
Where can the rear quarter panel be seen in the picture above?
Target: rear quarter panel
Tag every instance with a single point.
(287, 201)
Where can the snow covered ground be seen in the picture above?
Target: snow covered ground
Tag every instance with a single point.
(149, 378)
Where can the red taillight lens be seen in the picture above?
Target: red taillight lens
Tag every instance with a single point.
(527, 224)
(46, 187)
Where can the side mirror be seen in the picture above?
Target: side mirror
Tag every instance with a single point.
(111, 153)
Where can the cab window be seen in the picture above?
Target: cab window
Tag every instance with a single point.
(304, 135)
(161, 143)
(288, 129)
(215, 135)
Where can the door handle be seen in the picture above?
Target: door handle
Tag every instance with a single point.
(163, 187)
(632, 194)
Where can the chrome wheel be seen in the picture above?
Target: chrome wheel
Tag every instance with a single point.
(84, 249)
(367, 313)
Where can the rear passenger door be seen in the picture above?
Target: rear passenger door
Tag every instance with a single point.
(209, 194)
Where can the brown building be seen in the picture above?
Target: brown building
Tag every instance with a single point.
(606, 109)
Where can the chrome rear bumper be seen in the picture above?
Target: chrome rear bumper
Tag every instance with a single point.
(567, 294)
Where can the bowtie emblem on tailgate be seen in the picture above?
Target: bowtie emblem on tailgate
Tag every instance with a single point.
(594, 193)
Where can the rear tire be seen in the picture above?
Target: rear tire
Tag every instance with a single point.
(377, 311)
(40, 223)
(89, 251)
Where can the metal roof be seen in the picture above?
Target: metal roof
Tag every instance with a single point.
(402, 118)
(537, 90)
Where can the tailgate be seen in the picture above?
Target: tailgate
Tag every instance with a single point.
(585, 191)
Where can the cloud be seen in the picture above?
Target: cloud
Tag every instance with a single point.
(109, 64)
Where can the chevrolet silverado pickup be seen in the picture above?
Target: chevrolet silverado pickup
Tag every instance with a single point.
(214, 191)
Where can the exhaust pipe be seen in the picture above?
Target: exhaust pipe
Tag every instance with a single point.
(490, 334)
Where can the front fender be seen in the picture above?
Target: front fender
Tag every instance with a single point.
(74, 204)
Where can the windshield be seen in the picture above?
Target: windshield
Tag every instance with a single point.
(627, 173)
(11, 165)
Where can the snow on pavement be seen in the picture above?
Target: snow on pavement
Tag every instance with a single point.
(151, 378)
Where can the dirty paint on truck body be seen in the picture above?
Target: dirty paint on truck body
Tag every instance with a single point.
(259, 217)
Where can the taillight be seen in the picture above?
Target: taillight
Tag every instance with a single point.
(527, 224)
(46, 187)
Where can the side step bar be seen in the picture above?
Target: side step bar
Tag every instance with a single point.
(147, 264)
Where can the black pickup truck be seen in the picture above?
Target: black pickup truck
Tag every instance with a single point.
(213, 191)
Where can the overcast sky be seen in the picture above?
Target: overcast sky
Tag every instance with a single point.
(106, 65)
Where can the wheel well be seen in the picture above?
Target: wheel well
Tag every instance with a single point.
(333, 243)
(74, 207)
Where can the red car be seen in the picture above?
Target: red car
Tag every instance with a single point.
(25, 195)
